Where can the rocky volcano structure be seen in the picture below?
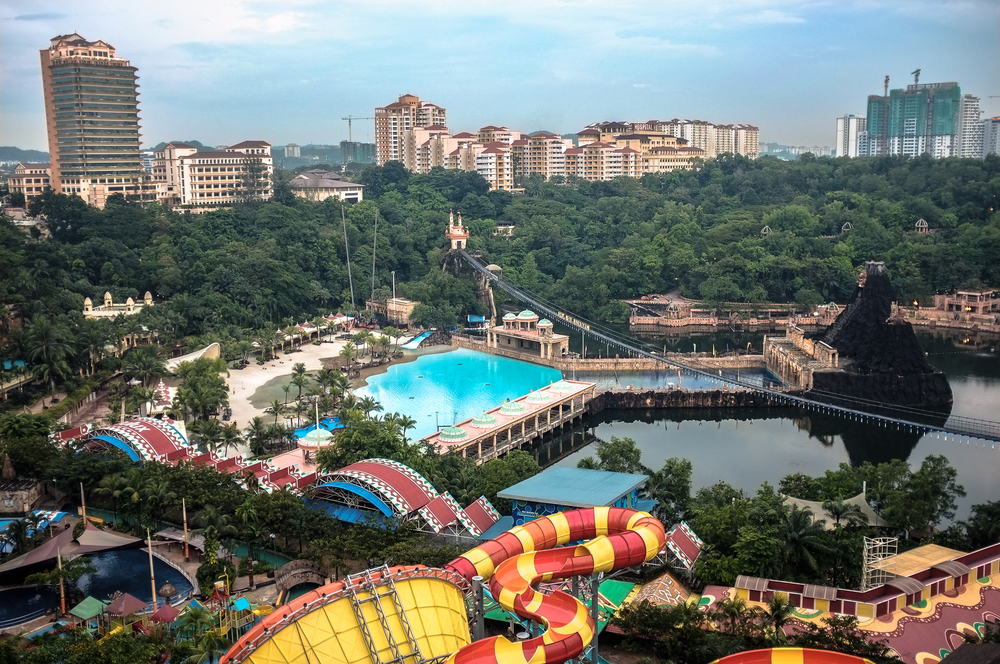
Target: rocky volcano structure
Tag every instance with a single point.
(880, 358)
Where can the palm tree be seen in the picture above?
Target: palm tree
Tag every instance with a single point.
(368, 404)
(299, 381)
(17, 532)
(93, 339)
(247, 511)
(214, 525)
(158, 495)
(276, 408)
(144, 365)
(47, 347)
(286, 389)
(849, 513)
(256, 433)
(230, 438)
(194, 621)
(395, 334)
(779, 613)
(801, 537)
(383, 343)
(406, 422)
(349, 351)
(299, 369)
(208, 645)
(112, 486)
(209, 434)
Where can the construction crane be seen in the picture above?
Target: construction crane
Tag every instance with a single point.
(349, 118)
(916, 76)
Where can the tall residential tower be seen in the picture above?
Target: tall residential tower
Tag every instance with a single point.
(404, 115)
(849, 129)
(92, 119)
(932, 118)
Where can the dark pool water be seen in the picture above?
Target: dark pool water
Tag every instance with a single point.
(125, 571)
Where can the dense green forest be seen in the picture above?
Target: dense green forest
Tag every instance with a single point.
(579, 244)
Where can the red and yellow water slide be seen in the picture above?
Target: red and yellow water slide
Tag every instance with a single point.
(359, 620)
(526, 555)
(792, 656)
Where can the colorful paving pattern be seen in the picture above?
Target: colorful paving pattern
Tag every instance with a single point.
(928, 634)
(922, 634)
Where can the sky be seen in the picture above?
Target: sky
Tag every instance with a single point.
(222, 71)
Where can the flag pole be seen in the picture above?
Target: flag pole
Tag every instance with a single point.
(83, 505)
(152, 576)
(62, 588)
(187, 557)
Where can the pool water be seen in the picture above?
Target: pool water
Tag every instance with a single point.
(443, 388)
(127, 571)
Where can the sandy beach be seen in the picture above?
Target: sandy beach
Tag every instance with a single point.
(244, 382)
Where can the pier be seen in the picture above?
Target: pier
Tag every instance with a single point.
(516, 423)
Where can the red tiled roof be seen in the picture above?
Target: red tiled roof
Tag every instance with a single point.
(251, 144)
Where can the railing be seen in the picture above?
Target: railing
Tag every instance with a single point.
(38, 613)
(865, 409)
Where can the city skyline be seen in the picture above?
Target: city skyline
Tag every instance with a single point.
(288, 72)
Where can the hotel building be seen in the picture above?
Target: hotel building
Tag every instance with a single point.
(185, 177)
(92, 119)
(29, 179)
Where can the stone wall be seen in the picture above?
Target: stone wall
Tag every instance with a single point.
(644, 399)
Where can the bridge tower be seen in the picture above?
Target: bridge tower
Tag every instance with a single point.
(458, 234)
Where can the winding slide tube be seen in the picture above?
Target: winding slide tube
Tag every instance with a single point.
(526, 555)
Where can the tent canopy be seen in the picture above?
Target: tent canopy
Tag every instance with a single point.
(92, 540)
(88, 608)
(126, 605)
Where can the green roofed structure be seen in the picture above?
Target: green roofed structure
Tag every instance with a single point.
(484, 421)
(88, 608)
(562, 488)
(512, 408)
(452, 434)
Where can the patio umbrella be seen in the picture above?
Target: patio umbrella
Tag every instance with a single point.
(125, 605)
(164, 614)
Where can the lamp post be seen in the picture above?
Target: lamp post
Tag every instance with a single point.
(393, 318)
(274, 550)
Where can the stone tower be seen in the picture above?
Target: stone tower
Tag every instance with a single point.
(457, 233)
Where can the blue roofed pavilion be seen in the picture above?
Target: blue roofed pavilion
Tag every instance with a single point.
(561, 488)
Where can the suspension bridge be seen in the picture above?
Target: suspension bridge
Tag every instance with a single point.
(864, 410)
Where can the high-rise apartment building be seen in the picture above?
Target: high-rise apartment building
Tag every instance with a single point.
(991, 136)
(92, 119)
(924, 118)
(392, 120)
(970, 128)
(849, 130)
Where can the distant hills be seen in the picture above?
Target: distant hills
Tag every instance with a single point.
(12, 154)
(195, 144)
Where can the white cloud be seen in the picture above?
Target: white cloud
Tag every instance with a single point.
(769, 17)
(641, 86)
(283, 22)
